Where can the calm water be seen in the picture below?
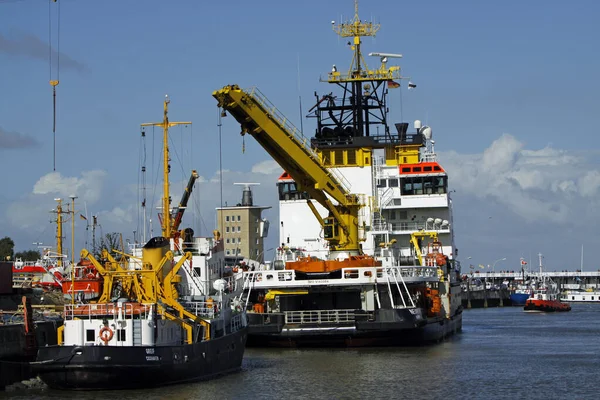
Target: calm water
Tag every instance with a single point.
(501, 353)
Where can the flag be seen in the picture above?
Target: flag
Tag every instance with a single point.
(393, 84)
(411, 85)
(523, 262)
(82, 217)
(481, 266)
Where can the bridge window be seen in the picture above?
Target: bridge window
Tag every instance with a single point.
(393, 182)
(381, 183)
(289, 191)
(424, 185)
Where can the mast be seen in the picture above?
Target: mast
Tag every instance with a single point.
(166, 200)
(59, 232)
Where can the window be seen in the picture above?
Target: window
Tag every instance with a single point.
(227, 252)
(226, 229)
(90, 335)
(393, 182)
(405, 169)
(120, 335)
(239, 218)
(257, 229)
(239, 228)
(392, 214)
(227, 218)
(257, 241)
(381, 183)
(427, 168)
(239, 240)
(403, 214)
(198, 271)
(227, 240)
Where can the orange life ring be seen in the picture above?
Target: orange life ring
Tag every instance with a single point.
(106, 334)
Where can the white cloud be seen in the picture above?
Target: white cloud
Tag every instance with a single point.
(267, 167)
(531, 184)
(88, 187)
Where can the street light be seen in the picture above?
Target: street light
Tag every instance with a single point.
(495, 262)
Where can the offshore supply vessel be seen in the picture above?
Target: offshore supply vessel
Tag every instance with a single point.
(148, 328)
(367, 254)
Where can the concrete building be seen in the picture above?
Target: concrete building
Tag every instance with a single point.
(243, 228)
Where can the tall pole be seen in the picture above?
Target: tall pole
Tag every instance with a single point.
(59, 222)
(73, 230)
(166, 200)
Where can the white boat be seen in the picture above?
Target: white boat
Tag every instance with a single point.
(367, 253)
(581, 296)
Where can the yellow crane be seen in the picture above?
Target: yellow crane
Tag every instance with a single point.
(259, 118)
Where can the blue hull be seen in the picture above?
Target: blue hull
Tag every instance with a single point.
(519, 299)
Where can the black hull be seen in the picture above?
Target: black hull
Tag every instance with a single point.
(132, 367)
(409, 332)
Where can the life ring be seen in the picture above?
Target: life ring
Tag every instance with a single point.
(91, 275)
(106, 334)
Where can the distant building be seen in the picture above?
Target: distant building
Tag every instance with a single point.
(243, 228)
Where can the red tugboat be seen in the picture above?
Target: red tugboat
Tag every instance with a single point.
(546, 296)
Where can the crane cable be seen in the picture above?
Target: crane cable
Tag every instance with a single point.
(54, 82)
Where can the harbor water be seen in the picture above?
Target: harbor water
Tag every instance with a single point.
(502, 353)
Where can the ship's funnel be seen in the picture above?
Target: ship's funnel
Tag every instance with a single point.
(153, 252)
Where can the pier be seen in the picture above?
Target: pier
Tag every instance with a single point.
(492, 289)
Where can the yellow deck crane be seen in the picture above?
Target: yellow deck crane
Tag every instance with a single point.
(290, 149)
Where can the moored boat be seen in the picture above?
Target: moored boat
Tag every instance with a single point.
(545, 295)
(146, 329)
(367, 254)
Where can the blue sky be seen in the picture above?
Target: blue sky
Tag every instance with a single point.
(509, 88)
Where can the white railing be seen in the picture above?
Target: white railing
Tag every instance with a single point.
(320, 316)
(206, 309)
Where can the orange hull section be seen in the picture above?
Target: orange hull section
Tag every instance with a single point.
(310, 265)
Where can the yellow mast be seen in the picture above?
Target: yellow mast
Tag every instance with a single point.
(59, 232)
(165, 124)
(355, 29)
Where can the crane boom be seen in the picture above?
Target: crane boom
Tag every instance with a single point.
(178, 212)
(258, 117)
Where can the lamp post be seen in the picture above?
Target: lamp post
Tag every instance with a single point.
(495, 262)
(261, 253)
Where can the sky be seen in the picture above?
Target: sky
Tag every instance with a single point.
(509, 89)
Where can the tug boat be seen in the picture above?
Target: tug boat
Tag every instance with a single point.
(545, 296)
(146, 329)
(367, 254)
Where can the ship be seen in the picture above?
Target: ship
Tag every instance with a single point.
(147, 328)
(367, 254)
(545, 295)
(590, 295)
(22, 329)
